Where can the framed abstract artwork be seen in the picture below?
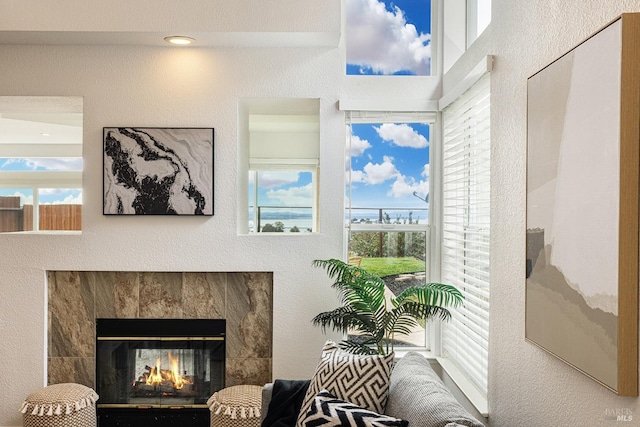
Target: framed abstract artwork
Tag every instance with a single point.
(158, 171)
(582, 221)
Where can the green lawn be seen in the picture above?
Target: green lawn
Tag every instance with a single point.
(389, 266)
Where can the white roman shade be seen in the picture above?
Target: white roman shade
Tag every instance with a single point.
(289, 141)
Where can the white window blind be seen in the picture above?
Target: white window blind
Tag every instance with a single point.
(465, 231)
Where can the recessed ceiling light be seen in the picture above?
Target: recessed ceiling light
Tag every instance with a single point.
(179, 40)
(45, 134)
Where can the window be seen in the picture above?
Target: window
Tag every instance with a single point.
(388, 37)
(464, 21)
(478, 18)
(283, 152)
(465, 231)
(387, 214)
(281, 200)
(40, 163)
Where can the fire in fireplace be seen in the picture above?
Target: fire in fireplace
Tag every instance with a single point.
(158, 372)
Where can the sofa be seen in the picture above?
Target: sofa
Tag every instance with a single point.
(415, 395)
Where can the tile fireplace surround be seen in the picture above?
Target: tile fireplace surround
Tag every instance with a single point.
(76, 299)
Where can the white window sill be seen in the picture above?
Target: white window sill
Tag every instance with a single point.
(468, 389)
(477, 399)
(43, 233)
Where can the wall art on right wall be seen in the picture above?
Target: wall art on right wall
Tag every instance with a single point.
(583, 160)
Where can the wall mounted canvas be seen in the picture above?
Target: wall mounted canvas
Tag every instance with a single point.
(158, 171)
(582, 206)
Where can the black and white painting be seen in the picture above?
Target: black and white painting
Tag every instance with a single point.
(158, 171)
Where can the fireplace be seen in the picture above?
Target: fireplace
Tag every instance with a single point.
(158, 372)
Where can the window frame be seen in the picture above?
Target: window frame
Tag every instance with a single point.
(376, 116)
(39, 180)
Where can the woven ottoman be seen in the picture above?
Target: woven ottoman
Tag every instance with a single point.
(237, 406)
(60, 405)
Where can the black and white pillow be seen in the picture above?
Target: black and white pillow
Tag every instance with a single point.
(329, 411)
(362, 380)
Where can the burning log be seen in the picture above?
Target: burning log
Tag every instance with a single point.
(156, 379)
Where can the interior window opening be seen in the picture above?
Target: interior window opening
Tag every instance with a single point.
(40, 164)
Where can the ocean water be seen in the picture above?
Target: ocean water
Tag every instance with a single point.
(304, 222)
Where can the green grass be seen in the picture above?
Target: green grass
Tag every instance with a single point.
(389, 266)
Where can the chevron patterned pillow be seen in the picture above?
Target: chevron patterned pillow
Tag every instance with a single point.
(362, 380)
(329, 411)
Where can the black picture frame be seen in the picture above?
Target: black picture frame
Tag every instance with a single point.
(158, 171)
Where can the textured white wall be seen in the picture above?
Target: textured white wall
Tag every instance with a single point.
(200, 87)
(147, 86)
(528, 387)
(136, 86)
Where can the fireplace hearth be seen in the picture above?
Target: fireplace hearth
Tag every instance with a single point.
(157, 372)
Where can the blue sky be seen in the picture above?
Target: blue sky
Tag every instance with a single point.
(283, 188)
(46, 195)
(388, 163)
(388, 37)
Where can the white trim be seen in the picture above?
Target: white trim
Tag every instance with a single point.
(272, 162)
(475, 397)
(393, 105)
(466, 83)
(390, 227)
(40, 150)
(41, 179)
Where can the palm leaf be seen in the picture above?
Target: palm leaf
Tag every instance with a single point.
(365, 311)
(434, 294)
(356, 286)
(344, 318)
(367, 347)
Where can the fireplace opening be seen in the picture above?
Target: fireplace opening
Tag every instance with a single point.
(150, 367)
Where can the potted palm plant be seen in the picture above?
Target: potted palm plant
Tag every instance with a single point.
(375, 319)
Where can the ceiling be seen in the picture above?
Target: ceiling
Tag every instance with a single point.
(38, 120)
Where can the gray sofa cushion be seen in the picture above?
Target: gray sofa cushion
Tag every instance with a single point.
(417, 394)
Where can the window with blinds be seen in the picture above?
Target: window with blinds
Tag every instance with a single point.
(465, 230)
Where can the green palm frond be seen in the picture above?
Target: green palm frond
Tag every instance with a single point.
(356, 286)
(344, 318)
(364, 348)
(366, 312)
(436, 294)
(363, 296)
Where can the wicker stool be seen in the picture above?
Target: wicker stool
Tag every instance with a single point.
(237, 406)
(60, 405)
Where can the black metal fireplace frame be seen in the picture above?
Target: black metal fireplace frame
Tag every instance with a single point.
(150, 329)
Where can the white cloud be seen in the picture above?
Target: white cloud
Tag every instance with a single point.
(24, 199)
(401, 135)
(294, 196)
(406, 186)
(384, 41)
(377, 173)
(65, 196)
(273, 179)
(356, 145)
(426, 171)
(58, 164)
(358, 176)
